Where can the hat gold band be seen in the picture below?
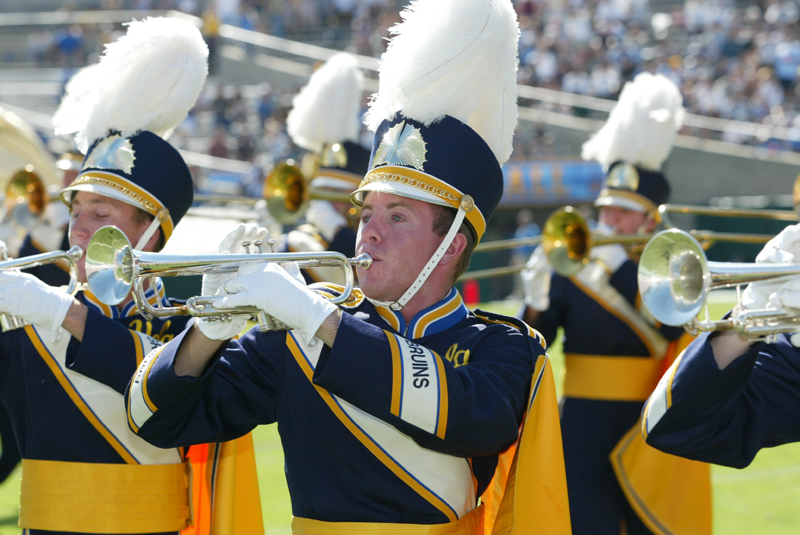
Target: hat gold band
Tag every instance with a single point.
(139, 196)
(649, 206)
(429, 184)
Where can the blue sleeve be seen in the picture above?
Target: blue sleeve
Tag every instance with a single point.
(472, 410)
(726, 416)
(239, 390)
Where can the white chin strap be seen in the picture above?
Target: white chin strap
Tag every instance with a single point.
(467, 205)
(160, 217)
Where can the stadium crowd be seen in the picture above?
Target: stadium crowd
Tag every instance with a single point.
(731, 60)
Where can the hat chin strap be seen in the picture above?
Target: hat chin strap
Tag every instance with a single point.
(162, 215)
(467, 204)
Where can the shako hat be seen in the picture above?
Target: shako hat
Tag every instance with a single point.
(325, 119)
(634, 143)
(123, 109)
(445, 112)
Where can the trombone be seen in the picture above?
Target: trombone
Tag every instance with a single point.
(9, 322)
(113, 269)
(287, 194)
(675, 277)
(567, 240)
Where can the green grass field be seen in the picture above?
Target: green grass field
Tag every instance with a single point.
(761, 499)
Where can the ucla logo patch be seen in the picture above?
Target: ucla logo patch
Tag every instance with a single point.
(456, 357)
(402, 145)
(114, 152)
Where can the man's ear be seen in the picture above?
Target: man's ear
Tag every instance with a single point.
(153, 241)
(454, 250)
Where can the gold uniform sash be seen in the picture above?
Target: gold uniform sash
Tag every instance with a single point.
(103, 498)
(671, 495)
(469, 524)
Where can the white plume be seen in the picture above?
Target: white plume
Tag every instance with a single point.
(148, 79)
(457, 58)
(642, 126)
(328, 109)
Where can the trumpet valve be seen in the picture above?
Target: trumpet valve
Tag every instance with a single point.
(246, 245)
(271, 242)
(259, 245)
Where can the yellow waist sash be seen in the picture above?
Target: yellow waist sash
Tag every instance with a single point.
(611, 378)
(103, 498)
(469, 524)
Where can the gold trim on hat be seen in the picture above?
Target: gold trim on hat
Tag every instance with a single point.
(378, 176)
(147, 201)
(109, 183)
(646, 203)
(427, 183)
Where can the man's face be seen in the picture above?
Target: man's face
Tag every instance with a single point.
(398, 233)
(622, 220)
(91, 211)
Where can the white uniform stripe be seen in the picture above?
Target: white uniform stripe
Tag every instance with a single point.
(107, 404)
(419, 402)
(140, 412)
(448, 477)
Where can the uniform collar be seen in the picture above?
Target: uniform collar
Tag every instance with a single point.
(153, 296)
(434, 319)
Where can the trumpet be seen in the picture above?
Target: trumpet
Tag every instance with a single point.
(9, 322)
(675, 277)
(113, 269)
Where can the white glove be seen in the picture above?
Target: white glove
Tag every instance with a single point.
(783, 248)
(536, 280)
(612, 255)
(325, 218)
(25, 296)
(213, 283)
(281, 295)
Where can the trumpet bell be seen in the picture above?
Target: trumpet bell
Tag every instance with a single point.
(109, 265)
(674, 277)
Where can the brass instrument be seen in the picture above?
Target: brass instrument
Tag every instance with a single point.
(113, 268)
(26, 197)
(9, 322)
(287, 194)
(568, 241)
(675, 277)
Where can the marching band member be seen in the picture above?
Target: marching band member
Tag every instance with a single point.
(83, 471)
(393, 408)
(726, 397)
(50, 233)
(614, 349)
(325, 120)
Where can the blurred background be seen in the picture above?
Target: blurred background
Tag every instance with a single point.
(736, 63)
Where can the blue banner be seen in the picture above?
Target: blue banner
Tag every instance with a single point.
(550, 183)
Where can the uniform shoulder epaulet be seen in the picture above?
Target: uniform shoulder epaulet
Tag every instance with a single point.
(491, 317)
(330, 291)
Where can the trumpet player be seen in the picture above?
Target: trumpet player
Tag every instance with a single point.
(64, 389)
(392, 409)
(614, 349)
(325, 120)
(727, 396)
